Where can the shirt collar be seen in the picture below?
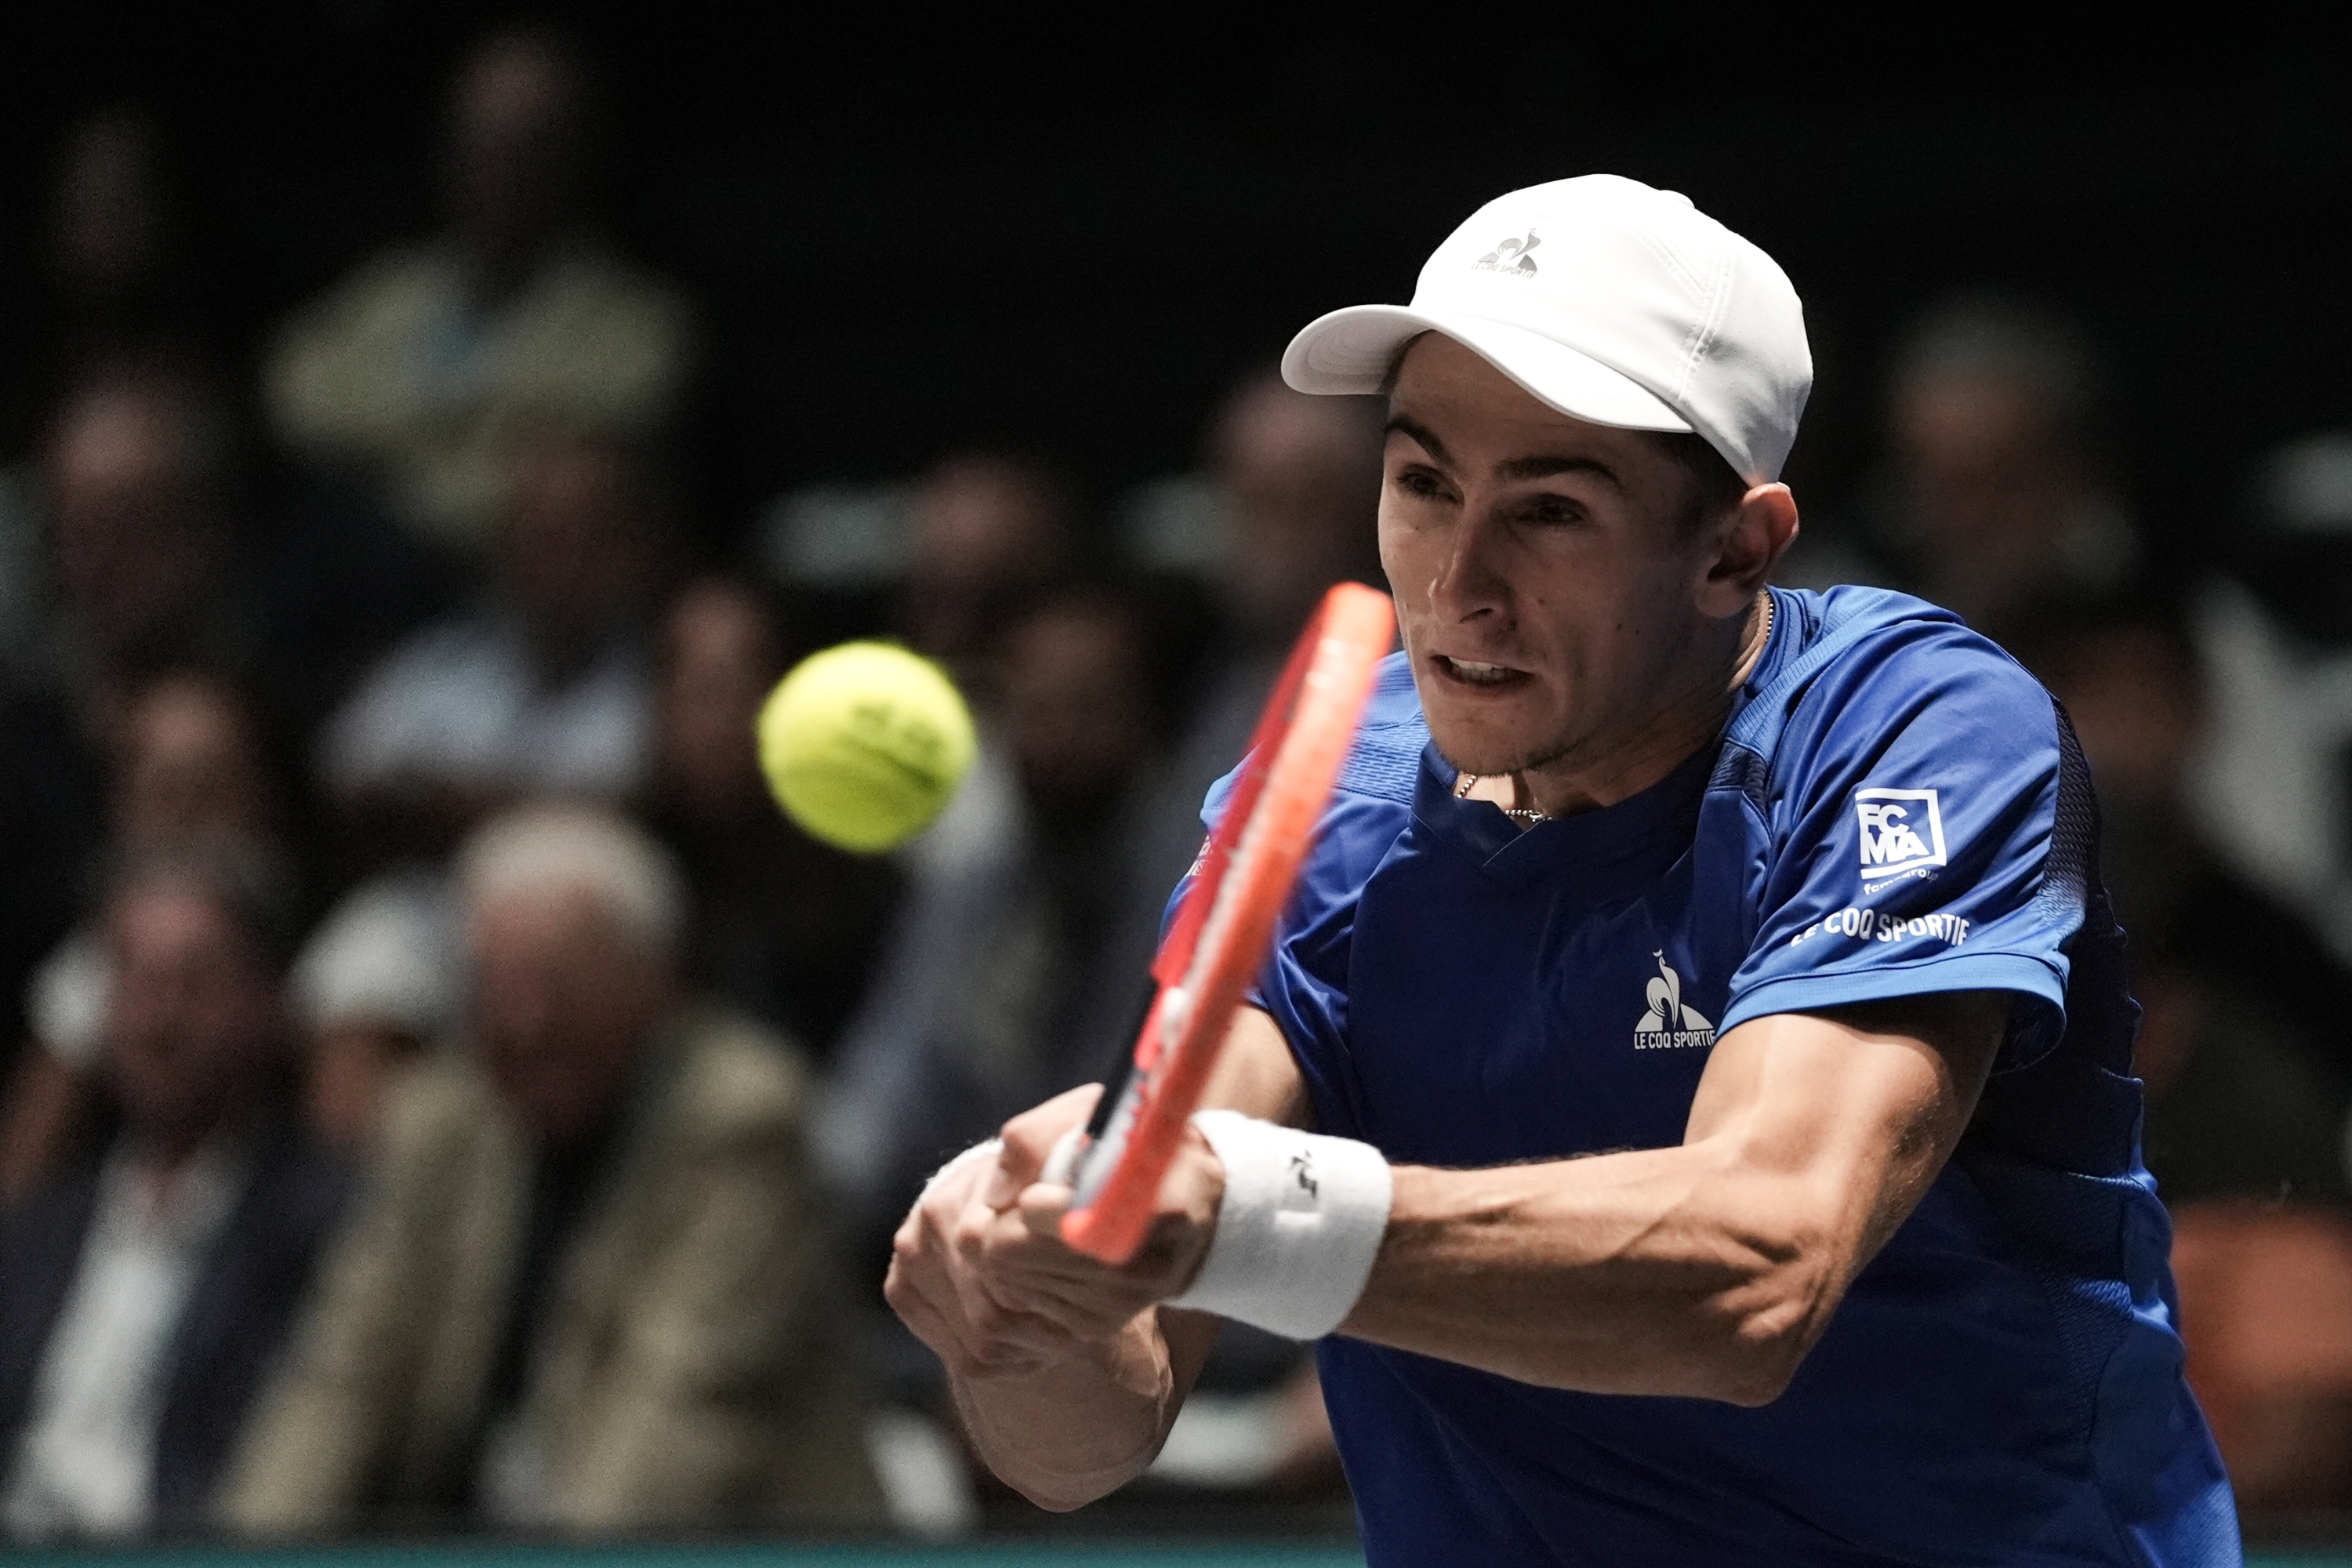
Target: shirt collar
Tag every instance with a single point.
(183, 1213)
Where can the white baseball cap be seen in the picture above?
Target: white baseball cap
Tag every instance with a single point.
(1611, 301)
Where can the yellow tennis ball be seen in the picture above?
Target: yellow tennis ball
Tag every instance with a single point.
(865, 743)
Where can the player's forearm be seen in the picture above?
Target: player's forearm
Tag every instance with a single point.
(1671, 1271)
(1064, 1432)
(1711, 1268)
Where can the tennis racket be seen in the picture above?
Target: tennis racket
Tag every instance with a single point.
(1224, 930)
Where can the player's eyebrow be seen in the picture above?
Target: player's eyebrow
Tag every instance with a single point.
(1534, 467)
(1406, 425)
(1545, 467)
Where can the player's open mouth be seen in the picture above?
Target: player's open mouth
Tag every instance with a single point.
(1471, 672)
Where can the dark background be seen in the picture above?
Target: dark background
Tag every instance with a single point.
(909, 233)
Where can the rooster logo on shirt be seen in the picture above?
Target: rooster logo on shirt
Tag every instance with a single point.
(1669, 1023)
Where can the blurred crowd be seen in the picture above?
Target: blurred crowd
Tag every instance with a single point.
(443, 1093)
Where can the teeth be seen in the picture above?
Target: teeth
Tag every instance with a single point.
(1470, 670)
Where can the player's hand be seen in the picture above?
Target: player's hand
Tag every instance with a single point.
(981, 1275)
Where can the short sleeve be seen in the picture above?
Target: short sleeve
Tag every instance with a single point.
(1926, 826)
(1304, 985)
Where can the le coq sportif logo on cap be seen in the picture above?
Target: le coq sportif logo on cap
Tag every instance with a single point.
(1902, 830)
(1511, 256)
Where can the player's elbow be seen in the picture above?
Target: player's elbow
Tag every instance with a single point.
(1769, 1271)
(1757, 1367)
(1765, 1326)
(1055, 1500)
(1065, 1492)
(1064, 1489)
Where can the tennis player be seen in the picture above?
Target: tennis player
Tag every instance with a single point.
(1691, 1100)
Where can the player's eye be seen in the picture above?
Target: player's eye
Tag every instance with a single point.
(1548, 511)
(1418, 481)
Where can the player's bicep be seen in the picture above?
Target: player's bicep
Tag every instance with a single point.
(1850, 1113)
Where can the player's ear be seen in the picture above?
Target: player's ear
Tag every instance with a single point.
(1748, 542)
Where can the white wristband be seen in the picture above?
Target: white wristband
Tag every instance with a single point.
(978, 1152)
(1298, 1229)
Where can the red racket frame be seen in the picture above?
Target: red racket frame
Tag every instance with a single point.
(1224, 930)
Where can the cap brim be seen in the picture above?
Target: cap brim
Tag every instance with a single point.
(1348, 352)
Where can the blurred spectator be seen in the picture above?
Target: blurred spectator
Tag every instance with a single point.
(109, 287)
(544, 689)
(1301, 476)
(375, 988)
(1012, 973)
(1296, 482)
(431, 363)
(115, 272)
(2273, 784)
(196, 767)
(153, 539)
(142, 1301)
(158, 553)
(196, 761)
(2241, 1041)
(153, 558)
(1997, 492)
(137, 469)
(137, 572)
(1296, 495)
(784, 926)
(589, 1288)
(985, 532)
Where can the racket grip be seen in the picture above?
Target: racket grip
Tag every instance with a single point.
(1061, 1161)
(1105, 1236)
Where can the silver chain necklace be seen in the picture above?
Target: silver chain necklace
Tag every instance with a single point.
(1523, 815)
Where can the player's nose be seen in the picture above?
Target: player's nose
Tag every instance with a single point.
(1469, 582)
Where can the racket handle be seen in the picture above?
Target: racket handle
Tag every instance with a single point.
(1062, 1161)
(1123, 1069)
(1107, 1235)
(1114, 1119)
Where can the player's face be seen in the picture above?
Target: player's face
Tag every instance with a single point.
(1543, 568)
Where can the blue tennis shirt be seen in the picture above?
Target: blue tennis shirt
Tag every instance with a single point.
(1895, 808)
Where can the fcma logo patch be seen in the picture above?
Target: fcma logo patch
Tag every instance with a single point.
(1902, 830)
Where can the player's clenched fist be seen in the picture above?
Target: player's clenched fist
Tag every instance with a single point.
(980, 1272)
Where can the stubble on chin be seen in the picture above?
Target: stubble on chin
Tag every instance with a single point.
(1495, 755)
